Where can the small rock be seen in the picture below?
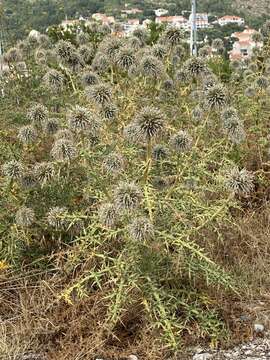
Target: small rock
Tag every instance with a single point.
(258, 328)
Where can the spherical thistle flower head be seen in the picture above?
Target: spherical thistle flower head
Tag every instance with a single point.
(44, 41)
(63, 150)
(109, 112)
(195, 66)
(132, 133)
(229, 112)
(56, 218)
(216, 97)
(104, 29)
(197, 114)
(75, 62)
(110, 46)
(160, 152)
(180, 51)
(150, 66)
(134, 43)
(13, 55)
(64, 134)
(44, 172)
(101, 63)
(87, 53)
(108, 215)
(141, 34)
(182, 76)
(168, 85)
(250, 92)
(217, 43)
(54, 80)
(82, 38)
(173, 36)
(141, 229)
(205, 51)
(100, 93)
(113, 164)
(28, 180)
(261, 82)
(38, 114)
(209, 81)
(13, 169)
(125, 58)
(181, 142)
(51, 126)
(89, 78)
(64, 50)
(240, 182)
(127, 196)
(160, 51)
(27, 134)
(25, 217)
(79, 118)
(150, 122)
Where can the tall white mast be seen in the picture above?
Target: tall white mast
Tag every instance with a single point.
(193, 31)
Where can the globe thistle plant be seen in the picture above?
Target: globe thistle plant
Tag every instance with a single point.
(173, 36)
(64, 50)
(150, 122)
(160, 51)
(181, 142)
(13, 169)
(25, 217)
(204, 51)
(217, 43)
(79, 118)
(87, 53)
(240, 182)
(150, 66)
(113, 164)
(54, 80)
(100, 93)
(82, 38)
(63, 150)
(76, 62)
(104, 29)
(27, 134)
(108, 215)
(160, 152)
(216, 97)
(44, 172)
(28, 180)
(236, 134)
(109, 112)
(125, 58)
(195, 66)
(89, 78)
(134, 43)
(132, 133)
(110, 47)
(141, 229)
(262, 82)
(127, 196)
(51, 126)
(38, 114)
(141, 34)
(101, 63)
(57, 218)
(228, 113)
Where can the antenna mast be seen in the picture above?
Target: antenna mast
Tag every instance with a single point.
(193, 32)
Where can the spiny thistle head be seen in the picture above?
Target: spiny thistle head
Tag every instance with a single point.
(150, 122)
(27, 134)
(262, 82)
(250, 91)
(44, 172)
(159, 51)
(110, 46)
(44, 41)
(79, 118)
(56, 218)
(63, 150)
(216, 97)
(160, 152)
(217, 43)
(127, 196)
(180, 51)
(109, 112)
(38, 114)
(108, 215)
(13, 169)
(229, 112)
(82, 38)
(100, 93)
(182, 76)
(13, 55)
(173, 36)
(141, 34)
(168, 85)
(51, 126)
(181, 142)
(205, 51)
(87, 52)
(64, 134)
(240, 182)
(195, 66)
(134, 43)
(76, 61)
(125, 58)
(54, 80)
(113, 164)
(209, 81)
(64, 50)
(141, 229)
(104, 29)
(101, 63)
(150, 66)
(89, 78)
(25, 217)
(28, 180)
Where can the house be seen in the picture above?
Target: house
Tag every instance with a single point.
(130, 25)
(133, 11)
(161, 12)
(201, 21)
(242, 48)
(177, 21)
(227, 19)
(103, 18)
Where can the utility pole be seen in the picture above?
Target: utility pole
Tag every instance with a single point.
(193, 31)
